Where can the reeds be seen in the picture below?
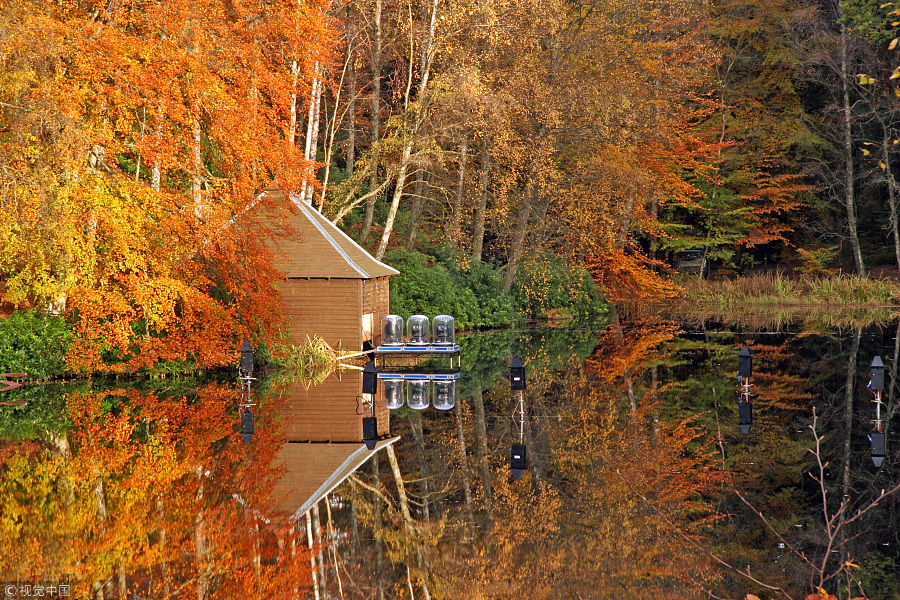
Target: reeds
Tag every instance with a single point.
(315, 360)
(779, 290)
(776, 300)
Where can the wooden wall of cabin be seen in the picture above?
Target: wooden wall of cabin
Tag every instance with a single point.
(328, 412)
(376, 301)
(330, 308)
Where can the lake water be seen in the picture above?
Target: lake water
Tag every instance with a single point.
(638, 481)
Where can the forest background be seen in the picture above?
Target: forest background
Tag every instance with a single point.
(510, 158)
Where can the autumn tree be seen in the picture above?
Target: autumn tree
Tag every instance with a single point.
(133, 135)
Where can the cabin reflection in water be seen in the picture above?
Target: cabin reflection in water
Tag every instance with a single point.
(323, 439)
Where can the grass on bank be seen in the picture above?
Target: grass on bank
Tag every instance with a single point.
(773, 290)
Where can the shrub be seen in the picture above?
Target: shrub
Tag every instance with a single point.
(473, 296)
(546, 282)
(34, 343)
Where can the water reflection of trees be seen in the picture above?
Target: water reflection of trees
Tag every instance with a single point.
(147, 496)
(639, 482)
(574, 526)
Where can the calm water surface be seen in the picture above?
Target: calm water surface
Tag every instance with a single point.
(638, 481)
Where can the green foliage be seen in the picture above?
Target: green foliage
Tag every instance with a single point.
(34, 343)
(545, 283)
(44, 411)
(870, 19)
(472, 296)
(545, 286)
(877, 575)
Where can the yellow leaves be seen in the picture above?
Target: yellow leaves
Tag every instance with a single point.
(865, 79)
(895, 75)
(881, 166)
(893, 44)
(751, 597)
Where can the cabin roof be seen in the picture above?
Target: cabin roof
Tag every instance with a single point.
(314, 469)
(319, 249)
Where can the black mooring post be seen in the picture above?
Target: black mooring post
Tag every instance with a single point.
(370, 378)
(745, 416)
(745, 362)
(370, 432)
(878, 448)
(876, 375)
(247, 428)
(516, 374)
(246, 366)
(518, 461)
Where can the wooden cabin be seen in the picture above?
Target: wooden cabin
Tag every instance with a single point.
(332, 286)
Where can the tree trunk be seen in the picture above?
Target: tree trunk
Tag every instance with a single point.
(410, 138)
(200, 541)
(314, 149)
(351, 109)
(156, 174)
(196, 179)
(334, 554)
(453, 231)
(848, 426)
(415, 212)
(312, 556)
(376, 125)
(395, 201)
(517, 245)
(415, 421)
(295, 102)
(481, 208)
(849, 195)
(320, 556)
(403, 501)
(892, 191)
(376, 533)
(483, 456)
(464, 467)
(312, 136)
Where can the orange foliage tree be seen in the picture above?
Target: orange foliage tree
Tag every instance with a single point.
(133, 133)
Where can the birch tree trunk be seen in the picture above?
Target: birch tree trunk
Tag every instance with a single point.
(849, 175)
(200, 542)
(312, 556)
(156, 173)
(312, 135)
(295, 105)
(320, 556)
(314, 147)
(410, 138)
(196, 179)
(395, 201)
